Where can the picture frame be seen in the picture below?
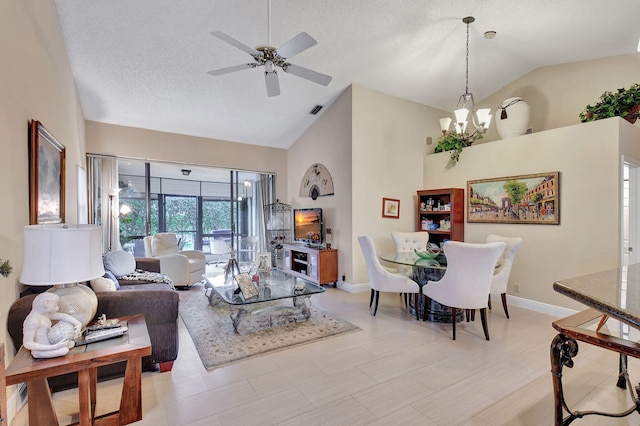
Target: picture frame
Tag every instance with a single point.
(525, 199)
(390, 208)
(246, 285)
(263, 261)
(46, 176)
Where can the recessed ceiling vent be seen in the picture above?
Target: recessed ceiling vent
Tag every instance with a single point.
(316, 109)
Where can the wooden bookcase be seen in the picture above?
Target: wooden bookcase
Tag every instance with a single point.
(316, 265)
(441, 207)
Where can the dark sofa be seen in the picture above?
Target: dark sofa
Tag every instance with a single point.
(158, 302)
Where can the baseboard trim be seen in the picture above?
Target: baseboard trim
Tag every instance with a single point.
(353, 288)
(543, 308)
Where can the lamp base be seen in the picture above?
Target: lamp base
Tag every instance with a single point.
(77, 300)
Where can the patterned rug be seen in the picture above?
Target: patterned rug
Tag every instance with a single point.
(218, 343)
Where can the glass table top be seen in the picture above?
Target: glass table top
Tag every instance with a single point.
(615, 292)
(411, 259)
(273, 286)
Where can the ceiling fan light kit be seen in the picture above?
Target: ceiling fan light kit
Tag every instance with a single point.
(272, 58)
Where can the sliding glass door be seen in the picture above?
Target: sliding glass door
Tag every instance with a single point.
(204, 206)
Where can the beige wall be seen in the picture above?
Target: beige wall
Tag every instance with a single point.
(557, 94)
(389, 144)
(108, 139)
(328, 142)
(588, 239)
(36, 83)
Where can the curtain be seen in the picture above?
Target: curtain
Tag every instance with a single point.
(102, 176)
(264, 196)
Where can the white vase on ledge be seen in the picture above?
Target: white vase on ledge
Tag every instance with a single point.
(512, 117)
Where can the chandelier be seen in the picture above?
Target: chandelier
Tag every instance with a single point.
(480, 119)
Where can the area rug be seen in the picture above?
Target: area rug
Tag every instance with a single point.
(218, 343)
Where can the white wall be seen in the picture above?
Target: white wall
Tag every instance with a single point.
(558, 93)
(108, 139)
(389, 144)
(36, 83)
(328, 142)
(588, 238)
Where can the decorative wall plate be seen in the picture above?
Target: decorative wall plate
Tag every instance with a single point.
(316, 182)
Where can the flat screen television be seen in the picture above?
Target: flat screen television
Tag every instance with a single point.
(307, 225)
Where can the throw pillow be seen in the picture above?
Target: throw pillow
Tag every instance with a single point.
(164, 243)
(102, 284)
(119, 262)
(109, 275)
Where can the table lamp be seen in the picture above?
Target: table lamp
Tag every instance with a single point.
(63, 256)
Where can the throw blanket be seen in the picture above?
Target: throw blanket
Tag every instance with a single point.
(154, 277)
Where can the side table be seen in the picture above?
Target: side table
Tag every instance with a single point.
(85, 360)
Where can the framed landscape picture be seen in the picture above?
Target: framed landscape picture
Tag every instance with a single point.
(515, 199)
(46, 176)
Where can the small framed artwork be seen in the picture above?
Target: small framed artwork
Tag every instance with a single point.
(390, 208)
(46, 176)
(246, 286)
(531, 198)
(263, 261)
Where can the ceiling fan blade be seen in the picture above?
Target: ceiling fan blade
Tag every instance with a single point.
(298, 44)
(231, 69)
(308, 74)
(273, 87)
(236, 43)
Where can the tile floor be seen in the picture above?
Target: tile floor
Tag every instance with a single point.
(394, 371)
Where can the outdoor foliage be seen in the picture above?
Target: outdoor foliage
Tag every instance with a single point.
(181, 217)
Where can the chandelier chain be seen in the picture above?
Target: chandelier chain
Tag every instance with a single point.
(466, 87)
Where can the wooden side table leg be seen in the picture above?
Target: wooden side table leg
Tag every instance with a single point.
(41, 410)
(131, 399)
(84, 397)
(93, 380)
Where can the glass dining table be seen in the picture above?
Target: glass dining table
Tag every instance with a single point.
(423, 271)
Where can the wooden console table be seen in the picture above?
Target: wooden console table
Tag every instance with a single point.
(85, 360)
(609, 294)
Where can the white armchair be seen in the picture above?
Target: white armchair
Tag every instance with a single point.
(183, 267)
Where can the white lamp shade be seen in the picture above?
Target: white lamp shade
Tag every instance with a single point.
(484, 117)
(445, 123)
(461, 115)
(61, 254)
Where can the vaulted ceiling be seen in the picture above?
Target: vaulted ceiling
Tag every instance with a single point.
(144, 63)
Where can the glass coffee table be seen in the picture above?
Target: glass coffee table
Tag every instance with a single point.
(256, 313)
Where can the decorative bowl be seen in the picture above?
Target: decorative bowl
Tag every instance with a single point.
(427, 254)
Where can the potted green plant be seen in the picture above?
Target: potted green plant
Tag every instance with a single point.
(455, 142)
(5, 268)
(623, 103)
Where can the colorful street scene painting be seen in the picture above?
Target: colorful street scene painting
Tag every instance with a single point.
(515, 199)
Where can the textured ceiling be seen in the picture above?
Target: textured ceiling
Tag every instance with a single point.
(144, 63)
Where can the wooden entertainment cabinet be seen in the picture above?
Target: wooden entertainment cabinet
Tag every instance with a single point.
(316, 265)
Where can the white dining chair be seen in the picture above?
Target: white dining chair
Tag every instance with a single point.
(467, 280)
(407, 242)
(383, 280)
(503, 270)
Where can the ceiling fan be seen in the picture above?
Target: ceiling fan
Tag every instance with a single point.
(273, 58)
